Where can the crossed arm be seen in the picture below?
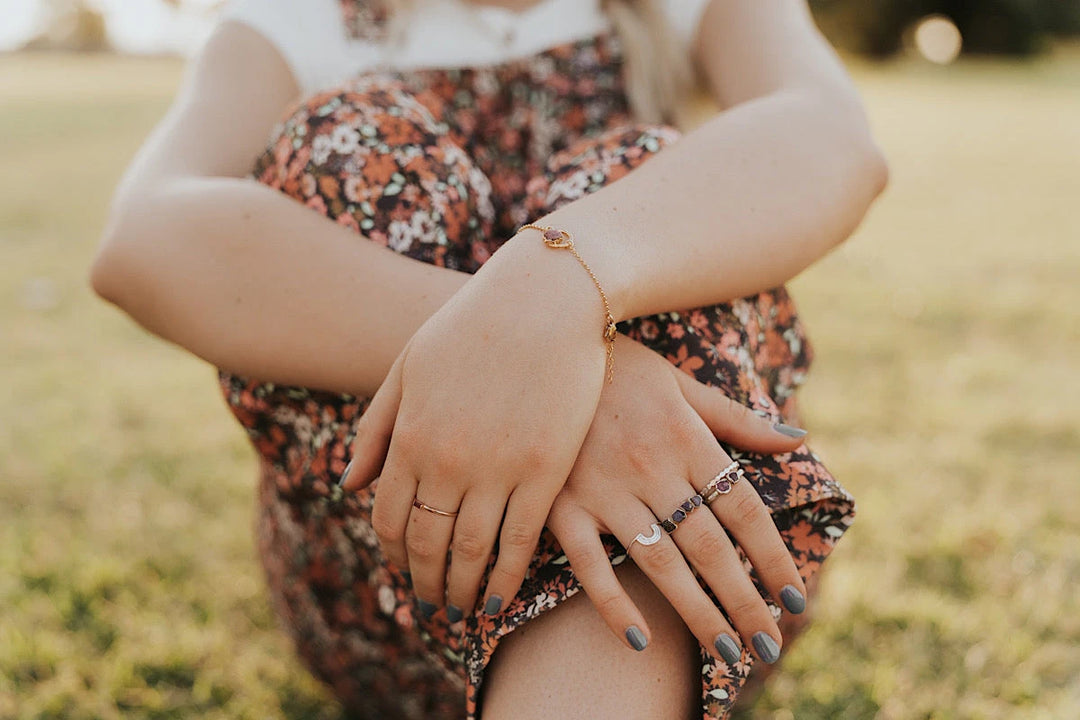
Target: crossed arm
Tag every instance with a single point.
(218, 264)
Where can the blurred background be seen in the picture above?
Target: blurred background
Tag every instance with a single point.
(944, 395)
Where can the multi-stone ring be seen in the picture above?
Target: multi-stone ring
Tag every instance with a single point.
(722, 483)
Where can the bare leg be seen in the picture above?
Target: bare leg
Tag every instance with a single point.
(567, 664)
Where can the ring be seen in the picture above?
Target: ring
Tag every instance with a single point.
(688, 506)
(650, 540)
(417, 504)
(722, 484)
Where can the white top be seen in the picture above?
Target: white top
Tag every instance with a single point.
(312, 38)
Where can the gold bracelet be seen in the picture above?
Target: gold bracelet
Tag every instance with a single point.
(560, 239)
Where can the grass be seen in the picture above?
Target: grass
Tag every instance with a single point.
(944, 396)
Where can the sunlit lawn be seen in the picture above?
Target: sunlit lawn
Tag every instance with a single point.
(945, 396)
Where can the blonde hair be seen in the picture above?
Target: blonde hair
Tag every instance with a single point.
(656, 67)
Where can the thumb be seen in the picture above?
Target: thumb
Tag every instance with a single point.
(734, 423)
(373, 432)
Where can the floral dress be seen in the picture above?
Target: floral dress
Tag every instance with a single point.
(442, 166)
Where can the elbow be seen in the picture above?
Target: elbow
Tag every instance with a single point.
(104, 272)
(111, 265)
(874, 168)
(119, 270)
(862, 179)
(865, 180)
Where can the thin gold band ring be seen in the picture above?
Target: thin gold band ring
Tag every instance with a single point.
(417, 504)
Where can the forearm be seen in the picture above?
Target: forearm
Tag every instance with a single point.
(740, 205)
(254, 282)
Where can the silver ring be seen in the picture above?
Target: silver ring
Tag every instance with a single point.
(652, 539)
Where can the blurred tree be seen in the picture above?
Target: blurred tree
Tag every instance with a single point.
(1016, 27)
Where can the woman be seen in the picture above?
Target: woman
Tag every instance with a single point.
(522, 451)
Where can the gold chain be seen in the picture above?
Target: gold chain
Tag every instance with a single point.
(560, 239)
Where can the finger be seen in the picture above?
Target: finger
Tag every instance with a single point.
(579, 537)
(746, 517)
(427, 541)
(475, 532)
(735, 423)
(664, 564)
(391, 507)
(708, 549)
(526, 511)
(373, 432)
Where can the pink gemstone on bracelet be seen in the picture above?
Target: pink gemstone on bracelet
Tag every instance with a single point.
(552, 234)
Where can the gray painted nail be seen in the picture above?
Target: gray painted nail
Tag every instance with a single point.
(454, 614)
(345, 474)
(426, 608)
(728, 648)
(792, 432)
(766, 647)
(793, 599)
(493, 604)
(636, 638)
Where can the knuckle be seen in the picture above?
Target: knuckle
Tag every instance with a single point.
(607, 603)
(738, 412)
(420, 547)
(709, 547)
(748, 608)
(385, 528)
(777, 563)
(749, 510)
(586, 563)
(469, 548)
(505, 577)
(661, 556)
(519, 536)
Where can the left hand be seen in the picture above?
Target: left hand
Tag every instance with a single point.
(652, 445)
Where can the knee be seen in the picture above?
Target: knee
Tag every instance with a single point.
(376, 159)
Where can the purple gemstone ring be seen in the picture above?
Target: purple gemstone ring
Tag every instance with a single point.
(687, 506)
(723, 483)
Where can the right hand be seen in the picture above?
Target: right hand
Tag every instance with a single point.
(652, 445)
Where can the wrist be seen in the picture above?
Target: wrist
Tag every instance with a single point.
(547, 287)
(594, 263)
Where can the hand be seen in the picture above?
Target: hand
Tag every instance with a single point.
(481, 418)
(651, 446)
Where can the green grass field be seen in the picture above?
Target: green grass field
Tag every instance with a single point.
(945, 396)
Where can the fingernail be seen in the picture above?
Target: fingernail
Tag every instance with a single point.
(345, 474)
(426, 608)
(636, 638)
(454, 614)
(493, 604)
(792, 432)
(728, 648)
(793, 599)
(766, 647)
